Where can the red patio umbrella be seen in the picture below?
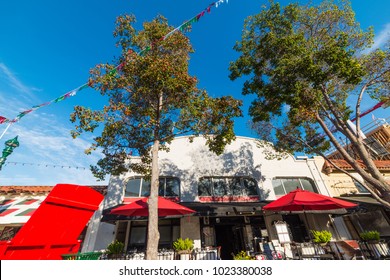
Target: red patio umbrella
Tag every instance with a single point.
(301, 201)
(308, 202)
(139, 208)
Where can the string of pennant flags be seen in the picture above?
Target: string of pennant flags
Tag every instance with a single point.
(45, 165)
(183, 28)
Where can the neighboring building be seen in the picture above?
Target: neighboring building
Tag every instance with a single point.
(370, 215)
(377, 139)
(18, 203)
(227, 191)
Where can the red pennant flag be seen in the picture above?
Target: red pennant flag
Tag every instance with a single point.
(2, 119)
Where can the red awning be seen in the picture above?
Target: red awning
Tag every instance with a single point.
(139, 208)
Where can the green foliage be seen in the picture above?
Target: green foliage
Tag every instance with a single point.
(292, 53)
(323, 236)
(303, 63)
(115, 247)
(183, 245)
(151, 96)
(370, 235)
(243, 256)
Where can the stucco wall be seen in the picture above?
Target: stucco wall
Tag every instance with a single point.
(191, 161)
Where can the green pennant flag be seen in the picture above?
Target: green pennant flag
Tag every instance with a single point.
(145, 50)
(59, 99)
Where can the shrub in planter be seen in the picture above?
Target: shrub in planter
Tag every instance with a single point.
(183, 245)
(371, 235)
(115, 248)
(322, 236)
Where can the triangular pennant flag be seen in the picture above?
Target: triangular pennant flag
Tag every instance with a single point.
(3, 119)
(112, 72)
(72, 93)
(59, 99)
(22, 114)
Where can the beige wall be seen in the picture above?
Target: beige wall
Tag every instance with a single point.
(337, 183)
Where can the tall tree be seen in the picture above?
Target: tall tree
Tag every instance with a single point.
(152, 99)
(306, 66)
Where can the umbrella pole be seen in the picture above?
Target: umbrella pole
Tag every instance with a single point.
(307, 224)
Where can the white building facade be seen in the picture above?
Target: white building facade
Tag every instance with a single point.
(227, 191)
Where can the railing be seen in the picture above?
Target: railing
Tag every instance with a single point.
(375, 250)
(312, 251)
(301, 251)
(162, 255)
(207, 254)
(82, 256)
(197, 254)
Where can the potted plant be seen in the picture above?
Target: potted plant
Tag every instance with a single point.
(115, 250)
(183, 247)
(371, 236)
(242, 256)
(321, 237)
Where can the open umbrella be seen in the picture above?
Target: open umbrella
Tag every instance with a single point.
(301, 201)
(139, 208)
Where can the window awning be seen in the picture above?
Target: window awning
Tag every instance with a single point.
(226, 209)
(206, 209)
(361, 199)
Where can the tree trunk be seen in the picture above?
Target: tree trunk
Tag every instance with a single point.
(153, 234)
(372, 176)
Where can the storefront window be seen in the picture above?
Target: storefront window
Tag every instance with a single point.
(278, 187)
(360, 187)
(227, 186)
(169, 231)
(220, 187)
(205, 187)
(145, 188)
(132, 187)
(235, 186)
(139, 187)
(250, 186)
(172, 186)
(283, 186)
(138, 236)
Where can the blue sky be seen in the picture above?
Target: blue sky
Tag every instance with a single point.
(48, 47)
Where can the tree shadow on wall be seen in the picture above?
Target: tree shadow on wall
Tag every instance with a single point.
(239, 162)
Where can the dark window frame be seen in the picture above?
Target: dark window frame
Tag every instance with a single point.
(229, 190)
(308, 179)
(170, 223)
(142, 182)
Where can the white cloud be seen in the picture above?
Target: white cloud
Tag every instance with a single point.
(15, 82)
(381, 38)
(53, 144)
(49, 153)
